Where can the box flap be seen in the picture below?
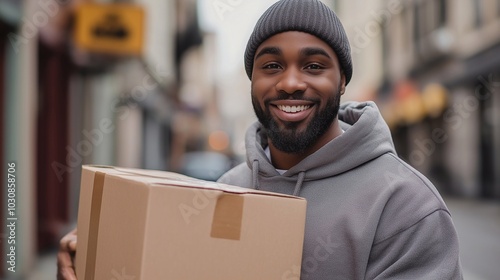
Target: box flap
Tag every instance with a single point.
(158, 177)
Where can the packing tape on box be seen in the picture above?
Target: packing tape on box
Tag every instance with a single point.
(228, 215)
(95, 213)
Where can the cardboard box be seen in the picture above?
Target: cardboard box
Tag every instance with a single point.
(143, 224)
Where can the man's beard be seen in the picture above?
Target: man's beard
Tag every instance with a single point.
(289, 139)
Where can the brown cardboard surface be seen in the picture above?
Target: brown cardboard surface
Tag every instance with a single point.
(160, 225)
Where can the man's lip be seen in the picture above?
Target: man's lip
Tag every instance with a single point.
(292, 102)
(292, 116)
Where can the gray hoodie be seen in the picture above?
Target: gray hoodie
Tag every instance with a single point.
(369, 214)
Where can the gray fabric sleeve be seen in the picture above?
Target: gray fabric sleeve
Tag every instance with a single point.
(426, 250)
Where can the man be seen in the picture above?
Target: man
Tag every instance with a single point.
(369, 215)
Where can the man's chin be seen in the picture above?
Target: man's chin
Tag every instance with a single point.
(290, 127)
(288, 142)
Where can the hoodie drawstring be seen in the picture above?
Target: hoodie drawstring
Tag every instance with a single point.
(298, 185)
(255, 174)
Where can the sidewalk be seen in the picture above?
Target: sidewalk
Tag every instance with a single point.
(46, 268)
(478, 226)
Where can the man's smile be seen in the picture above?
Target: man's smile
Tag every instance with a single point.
(291, 110)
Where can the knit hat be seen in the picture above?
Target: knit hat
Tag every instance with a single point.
(310, 16)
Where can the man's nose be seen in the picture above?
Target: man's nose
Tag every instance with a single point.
(291, 81)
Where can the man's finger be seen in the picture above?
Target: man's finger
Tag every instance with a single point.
(72, 245)
(68, 242)
(66, 274)
(65, 269)
(67, 248)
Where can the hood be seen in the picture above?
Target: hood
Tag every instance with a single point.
(366, 137)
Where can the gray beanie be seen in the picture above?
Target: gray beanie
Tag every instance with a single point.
(310, 16)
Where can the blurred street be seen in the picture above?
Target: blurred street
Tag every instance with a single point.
(478, 226)
(477, 223)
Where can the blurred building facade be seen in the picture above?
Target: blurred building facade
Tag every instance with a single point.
(440, 90)
(19, 103)
(64, 106)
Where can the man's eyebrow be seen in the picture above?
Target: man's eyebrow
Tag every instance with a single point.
(268, 50)
(314, 51)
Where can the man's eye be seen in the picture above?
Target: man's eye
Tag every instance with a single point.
(314, 67)
(272, 66)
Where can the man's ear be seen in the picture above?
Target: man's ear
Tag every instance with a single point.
(342, 82)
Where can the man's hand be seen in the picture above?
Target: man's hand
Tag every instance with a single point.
(65, 257)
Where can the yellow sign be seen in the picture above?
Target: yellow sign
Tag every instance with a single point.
(110, 28)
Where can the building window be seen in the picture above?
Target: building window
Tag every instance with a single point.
(478, 19)
(416, 23)
(442, 17)
(418, 29)
(335, 5)
(332, 4)
(406, 21)
(386, 46)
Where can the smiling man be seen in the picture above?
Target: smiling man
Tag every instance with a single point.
(370, 215)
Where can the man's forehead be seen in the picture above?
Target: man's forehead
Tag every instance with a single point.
(305, 43)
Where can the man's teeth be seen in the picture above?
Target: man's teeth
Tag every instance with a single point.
(293, 109)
